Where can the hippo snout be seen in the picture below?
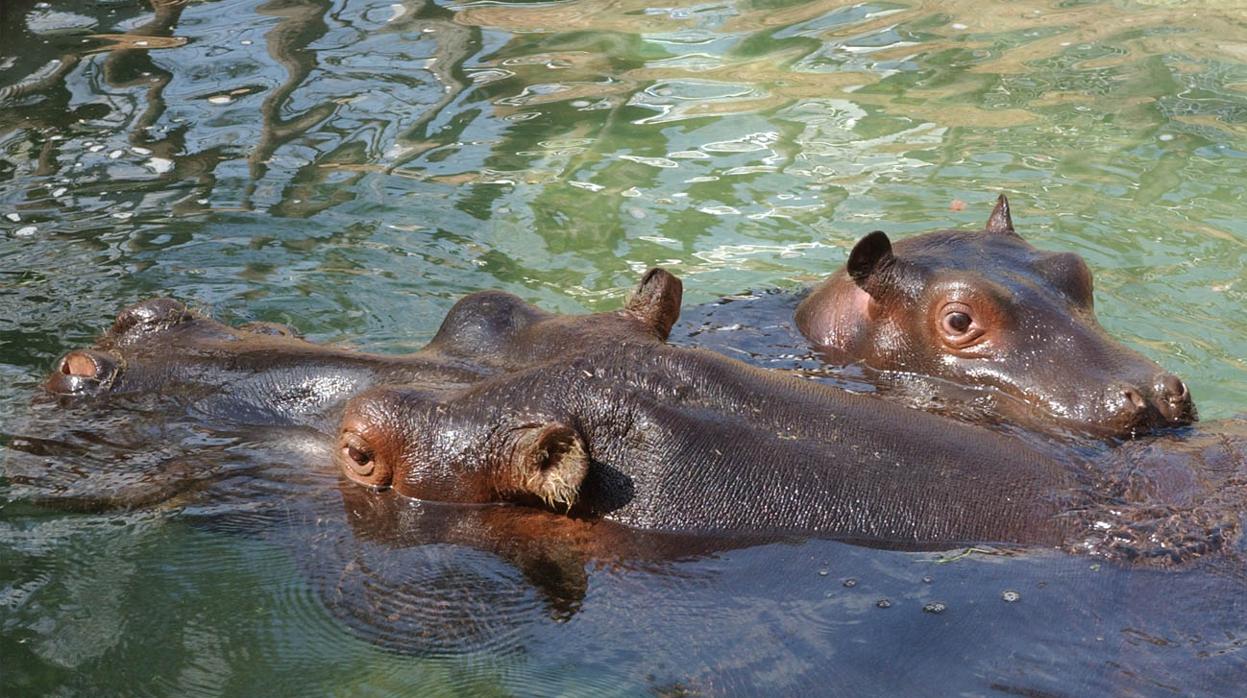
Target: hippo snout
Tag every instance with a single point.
(1166, 402)
(83, 372)
(1172, 398)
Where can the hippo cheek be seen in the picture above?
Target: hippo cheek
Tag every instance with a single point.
(84, 372)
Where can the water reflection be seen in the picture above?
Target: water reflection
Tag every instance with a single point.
(353, 167)
(281, 564)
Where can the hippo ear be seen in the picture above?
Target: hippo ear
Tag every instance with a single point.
(552, 462)
(871, 262)
(1000, 221)
(656, 301)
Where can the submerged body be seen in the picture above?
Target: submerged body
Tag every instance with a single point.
(167, 395)
(607, 421)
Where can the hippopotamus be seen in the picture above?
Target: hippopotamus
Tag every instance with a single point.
(263, 374)
(675, 439)
(133, 412)
(986, 308)
(870, 470)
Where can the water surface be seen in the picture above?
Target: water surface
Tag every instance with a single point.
(352, 167)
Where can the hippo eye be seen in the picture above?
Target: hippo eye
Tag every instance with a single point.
(958, 328)
(957, 323)
(359, 460)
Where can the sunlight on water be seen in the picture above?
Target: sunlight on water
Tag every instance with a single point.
(352, 168)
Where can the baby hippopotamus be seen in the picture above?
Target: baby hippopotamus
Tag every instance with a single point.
(986, 308)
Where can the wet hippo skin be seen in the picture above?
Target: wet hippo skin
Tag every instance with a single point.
(985, 307)
(665, 438)
(167, 395)
(265, 375)
(883, 474)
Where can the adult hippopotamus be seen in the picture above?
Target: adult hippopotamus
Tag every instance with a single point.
(166, 394)
(264, 374)
(660, 437)
(650, 434)
(986, 308)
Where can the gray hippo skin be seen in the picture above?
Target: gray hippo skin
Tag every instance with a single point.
(166, 395)
(618, 425)
(265, 375)
(665, 438)
(985, 308)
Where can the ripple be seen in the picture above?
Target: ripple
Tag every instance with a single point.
(352, 168)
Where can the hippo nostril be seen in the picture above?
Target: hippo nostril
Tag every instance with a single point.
(79, 364)
(1173, 387)
(83, 371)
(1134, 397)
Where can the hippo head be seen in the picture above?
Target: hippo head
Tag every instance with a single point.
(449, 447)
(495, 328)
(986, 308)
(150, 343)
(99, 369)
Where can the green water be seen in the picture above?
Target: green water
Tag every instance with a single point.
(352, 167)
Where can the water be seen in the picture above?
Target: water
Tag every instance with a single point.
(352, 167)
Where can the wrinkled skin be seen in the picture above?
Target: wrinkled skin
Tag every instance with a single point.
(264, 375)
(985, 308)
(689, 405)
(649, 435)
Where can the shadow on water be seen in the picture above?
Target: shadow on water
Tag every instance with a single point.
(353, 167)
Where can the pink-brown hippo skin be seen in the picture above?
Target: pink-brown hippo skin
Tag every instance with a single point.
(986, 308)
